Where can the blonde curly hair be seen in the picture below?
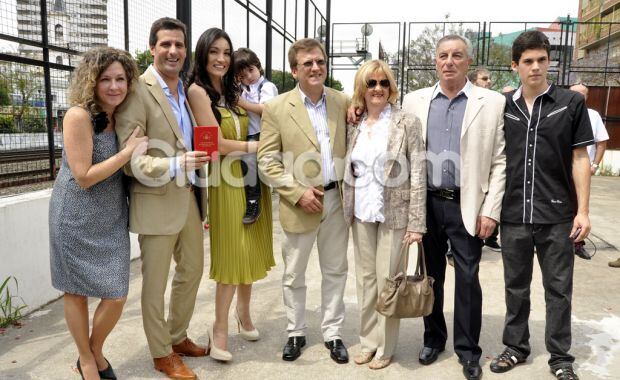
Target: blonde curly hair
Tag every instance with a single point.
(94, 62)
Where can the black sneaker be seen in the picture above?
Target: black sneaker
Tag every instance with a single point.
(493, 245)
(252, 212)
(565, 373)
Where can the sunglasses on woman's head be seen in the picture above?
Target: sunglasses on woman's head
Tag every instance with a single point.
(372, 83)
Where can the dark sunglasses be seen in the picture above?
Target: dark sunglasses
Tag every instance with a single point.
(372, 83)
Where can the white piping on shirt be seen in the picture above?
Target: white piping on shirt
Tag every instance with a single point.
(511, 116)
(527, 137)
(557, 111)
(534, 164)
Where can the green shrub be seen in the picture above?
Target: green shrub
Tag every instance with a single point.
(32, 125)
(7, 124)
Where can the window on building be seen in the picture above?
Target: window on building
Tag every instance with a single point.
(58, 32)
(59, 59)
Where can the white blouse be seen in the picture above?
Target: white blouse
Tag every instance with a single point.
(368, 160)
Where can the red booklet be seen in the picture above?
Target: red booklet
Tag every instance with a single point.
(206, 139)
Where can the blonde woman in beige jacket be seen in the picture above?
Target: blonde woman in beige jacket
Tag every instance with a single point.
(384, 200)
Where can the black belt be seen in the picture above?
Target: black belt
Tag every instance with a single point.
(446, 193)
(329, 186)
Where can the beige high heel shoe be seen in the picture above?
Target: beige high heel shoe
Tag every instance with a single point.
(251, 335)
(218, 353)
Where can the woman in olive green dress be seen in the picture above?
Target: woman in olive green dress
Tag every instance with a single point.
(240, 254)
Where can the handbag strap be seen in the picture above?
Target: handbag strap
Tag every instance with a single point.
(421, 264)
(404, 256)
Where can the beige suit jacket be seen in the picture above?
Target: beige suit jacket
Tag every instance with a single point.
(158, 203)
(289, 155)
(404, 197)
(483, 157)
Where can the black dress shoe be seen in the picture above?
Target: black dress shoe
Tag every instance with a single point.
(428, 355)
(292, 348)
(107, 373)
(252, 212)
(471, 369)
(337, 351)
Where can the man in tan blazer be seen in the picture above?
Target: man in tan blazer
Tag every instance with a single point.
(165, 203)
(301, 153)
(463, 129)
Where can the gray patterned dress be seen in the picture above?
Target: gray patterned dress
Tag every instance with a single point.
(89, 237)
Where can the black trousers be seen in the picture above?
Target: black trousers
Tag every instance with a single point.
(556, 259)
(249, 168)
(443, 222)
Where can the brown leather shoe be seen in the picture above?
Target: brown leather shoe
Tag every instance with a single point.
(189, 348)
(173, 366)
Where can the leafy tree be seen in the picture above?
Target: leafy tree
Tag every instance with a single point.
(5, 91)
(421, 57)
(144, 59)
(23, 81)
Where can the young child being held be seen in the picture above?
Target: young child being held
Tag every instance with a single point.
(256, 91)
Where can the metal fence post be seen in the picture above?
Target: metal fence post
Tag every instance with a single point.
(184, 14)
(484, 39)
(268, 37)
(565, 57)
(48, 89)
(328, 34)
(126, 23)
(403, 81)
(307, 11)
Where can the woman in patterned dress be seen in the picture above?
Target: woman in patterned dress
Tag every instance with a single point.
(89, 237)
(240, 254)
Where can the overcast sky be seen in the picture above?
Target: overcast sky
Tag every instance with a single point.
(459, 10)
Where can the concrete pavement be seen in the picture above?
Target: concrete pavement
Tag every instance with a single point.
(43, 349)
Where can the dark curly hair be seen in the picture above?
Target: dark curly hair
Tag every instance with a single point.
(199, 75)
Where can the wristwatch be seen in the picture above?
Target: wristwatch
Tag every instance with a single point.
(595, 166)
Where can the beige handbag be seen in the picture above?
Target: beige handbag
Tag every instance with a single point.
(407, 296)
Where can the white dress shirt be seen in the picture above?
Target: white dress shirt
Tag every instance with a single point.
(318, 117)
(368, 160)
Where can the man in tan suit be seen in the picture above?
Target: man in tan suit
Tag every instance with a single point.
(463, 129)
(165, 203)
(301, 153)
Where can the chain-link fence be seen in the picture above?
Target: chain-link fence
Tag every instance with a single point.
(41, 42)
(581, 52)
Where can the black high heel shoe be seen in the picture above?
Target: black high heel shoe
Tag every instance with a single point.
(107, 373)
(79, 367)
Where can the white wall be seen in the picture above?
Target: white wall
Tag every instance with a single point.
(24, 246)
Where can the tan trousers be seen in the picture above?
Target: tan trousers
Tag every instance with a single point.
(377, 254)
(332, 237)
(186, 247)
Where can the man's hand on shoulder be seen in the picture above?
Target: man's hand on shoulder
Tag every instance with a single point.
(354, 114)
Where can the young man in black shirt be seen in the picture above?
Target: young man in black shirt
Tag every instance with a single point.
(547, 130)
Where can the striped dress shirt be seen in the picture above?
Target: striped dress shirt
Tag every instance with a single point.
(318, 117)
